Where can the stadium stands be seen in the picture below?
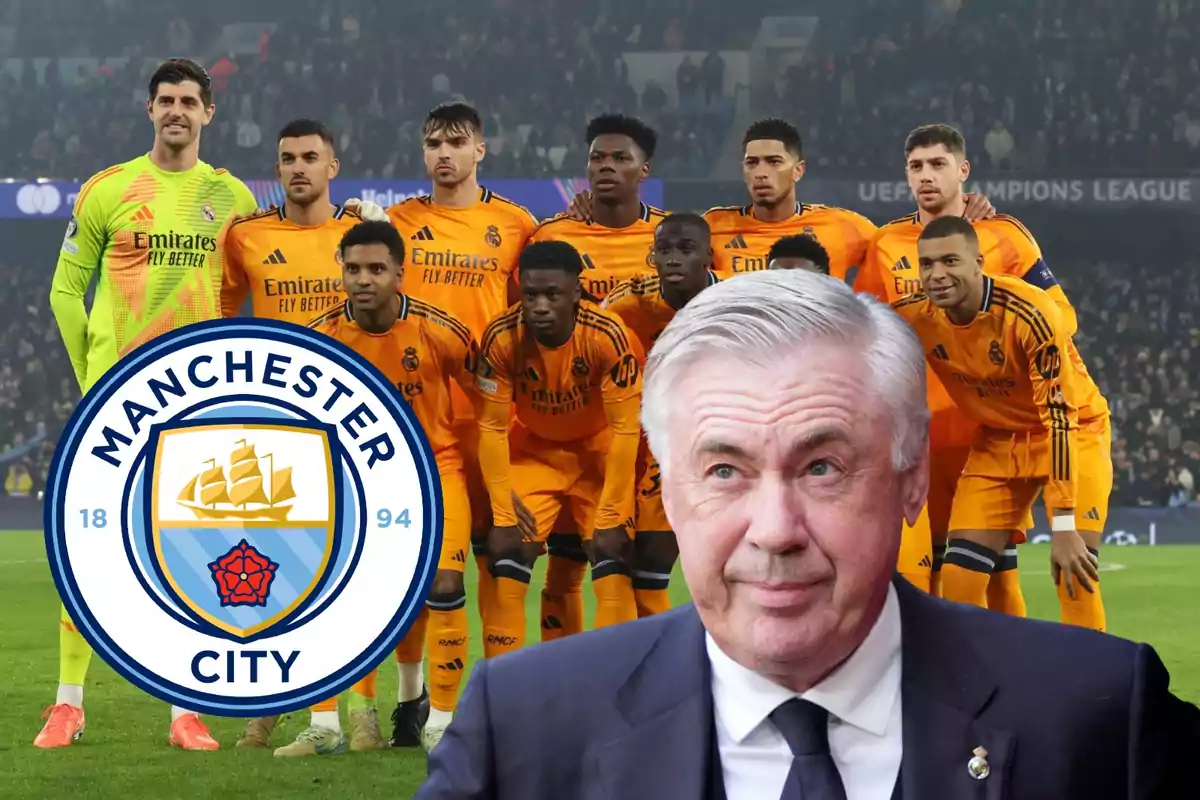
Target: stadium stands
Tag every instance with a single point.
(1070, 85)
(1117, 93)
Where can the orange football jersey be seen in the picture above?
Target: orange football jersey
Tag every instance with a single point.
(741, 242)
(569, 394)
(1010, 369)
(891, 271)
(610, 255)
(640, 304)
(423, 354)
(460, 259)
(290, 271)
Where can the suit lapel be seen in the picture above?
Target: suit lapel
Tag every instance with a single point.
(945, 688)
(667, 702)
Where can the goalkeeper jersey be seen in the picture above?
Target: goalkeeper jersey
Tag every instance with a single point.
(153, 240)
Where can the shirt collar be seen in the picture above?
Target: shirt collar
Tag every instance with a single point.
(860, 692)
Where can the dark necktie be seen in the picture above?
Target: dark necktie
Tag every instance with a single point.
(813, 775)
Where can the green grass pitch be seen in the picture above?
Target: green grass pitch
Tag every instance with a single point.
(1150, 595)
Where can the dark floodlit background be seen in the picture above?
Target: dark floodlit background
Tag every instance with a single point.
(1082, 119)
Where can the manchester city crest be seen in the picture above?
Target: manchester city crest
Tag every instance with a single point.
(243, 517)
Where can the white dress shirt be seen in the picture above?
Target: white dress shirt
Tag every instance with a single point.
(862, 697)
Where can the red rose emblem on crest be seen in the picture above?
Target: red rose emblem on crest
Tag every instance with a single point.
(243, 576)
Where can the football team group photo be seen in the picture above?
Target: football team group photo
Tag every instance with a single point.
(763, 499)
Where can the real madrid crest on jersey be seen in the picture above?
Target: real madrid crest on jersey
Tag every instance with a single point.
(409, 360)
(243, 517)
(207, 211)
(995, 354)
(492, 237)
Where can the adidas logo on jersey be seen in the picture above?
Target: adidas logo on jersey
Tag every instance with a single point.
(902, 265)
(939, 352)
(276, 257)
(143, 214)
(736, 243)
(423, 235)
(459, 557)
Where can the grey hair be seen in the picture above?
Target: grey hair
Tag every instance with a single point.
(761, 316)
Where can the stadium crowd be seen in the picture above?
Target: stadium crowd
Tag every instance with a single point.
(1140, 335)
(1119, 96)
(1027, 95)
(1037, 85)
(370, 70)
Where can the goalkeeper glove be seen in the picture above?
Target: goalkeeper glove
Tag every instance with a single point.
(366, 209)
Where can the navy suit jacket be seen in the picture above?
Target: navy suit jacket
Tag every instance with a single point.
(625, 713)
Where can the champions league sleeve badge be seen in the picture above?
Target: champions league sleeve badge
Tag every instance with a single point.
(243, 517)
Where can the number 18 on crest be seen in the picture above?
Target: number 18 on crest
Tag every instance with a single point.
(243, 517)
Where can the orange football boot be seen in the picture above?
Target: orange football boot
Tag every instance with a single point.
(64, 724)
(190, 733)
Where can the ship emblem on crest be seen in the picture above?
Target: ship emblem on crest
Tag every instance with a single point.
(236, 545)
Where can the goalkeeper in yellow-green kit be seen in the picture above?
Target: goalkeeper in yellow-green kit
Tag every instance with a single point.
(150, 232)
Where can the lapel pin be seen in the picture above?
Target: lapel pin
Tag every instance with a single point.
(978, 766)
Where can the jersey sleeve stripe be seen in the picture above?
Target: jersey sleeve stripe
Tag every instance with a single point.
(258, 216)
(328, 316)
(910, 300)
(608, 320)
(513, 203)
(91, 184)
(547, 223)
(1060, 451)
(623, 289)
(607, 326)
(437, 315)
(1026, 312)
(907, 219)
(499, 326)
(649, 286)
(1016, 223)
(608, 332)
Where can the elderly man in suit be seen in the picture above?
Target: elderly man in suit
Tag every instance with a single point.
(788, 416)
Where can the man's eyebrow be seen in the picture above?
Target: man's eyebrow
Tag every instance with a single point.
(717, 447)
(809, 441)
